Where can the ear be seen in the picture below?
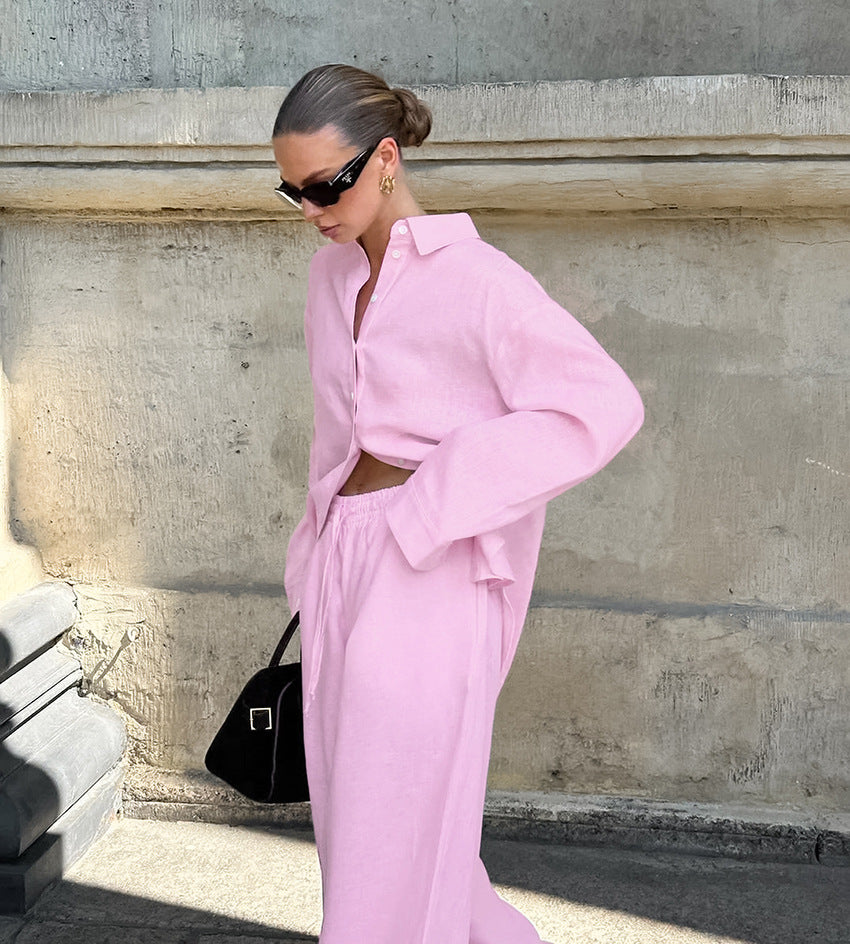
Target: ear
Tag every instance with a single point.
(389, 155)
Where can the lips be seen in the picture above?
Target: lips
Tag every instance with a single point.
(329, 231)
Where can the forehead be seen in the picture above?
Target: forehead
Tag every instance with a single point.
(303, 158)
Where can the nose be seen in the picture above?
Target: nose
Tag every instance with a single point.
(311, 210)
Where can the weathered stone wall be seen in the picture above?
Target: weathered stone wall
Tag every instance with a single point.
(689, 634)
(108, 44)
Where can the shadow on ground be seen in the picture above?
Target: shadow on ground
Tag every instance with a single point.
(101, 916)
(757, 902)
(192, 883)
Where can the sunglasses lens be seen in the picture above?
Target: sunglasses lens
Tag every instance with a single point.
(323, 194)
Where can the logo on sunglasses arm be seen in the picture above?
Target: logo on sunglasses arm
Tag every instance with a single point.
(347, 179)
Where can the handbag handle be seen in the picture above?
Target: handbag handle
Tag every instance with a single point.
(288, 633)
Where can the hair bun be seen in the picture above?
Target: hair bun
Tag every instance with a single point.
(359, 104)
(415, 123)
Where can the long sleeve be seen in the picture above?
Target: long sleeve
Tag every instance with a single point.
(304, 536)
(569, 408)
(297, 555)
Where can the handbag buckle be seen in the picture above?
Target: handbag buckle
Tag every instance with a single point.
(261, 714)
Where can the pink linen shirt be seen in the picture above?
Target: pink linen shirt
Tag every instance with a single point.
(467, 372)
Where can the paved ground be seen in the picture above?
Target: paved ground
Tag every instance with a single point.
(149, 882)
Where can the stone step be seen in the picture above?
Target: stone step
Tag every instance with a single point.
(32, 621)
(23, 880)
(47, 764)
(34, 685)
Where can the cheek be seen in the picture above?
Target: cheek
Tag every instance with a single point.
(356, 207)
(369, 199)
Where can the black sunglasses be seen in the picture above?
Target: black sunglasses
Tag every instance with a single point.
(326, 192)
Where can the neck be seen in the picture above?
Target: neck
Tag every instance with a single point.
(375, 239)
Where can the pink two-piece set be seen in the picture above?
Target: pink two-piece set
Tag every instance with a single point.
(412, 598)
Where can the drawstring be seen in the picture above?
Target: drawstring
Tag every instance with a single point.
(319, 644)
(342, 509)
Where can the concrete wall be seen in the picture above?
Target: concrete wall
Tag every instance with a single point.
(689, 634)
(20, 565)
(104, 44)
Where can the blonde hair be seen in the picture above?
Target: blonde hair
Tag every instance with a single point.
(360, 104)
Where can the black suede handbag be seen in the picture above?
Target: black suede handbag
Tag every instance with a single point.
(259, 749)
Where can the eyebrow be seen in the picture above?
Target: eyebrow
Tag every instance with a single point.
(319, 175)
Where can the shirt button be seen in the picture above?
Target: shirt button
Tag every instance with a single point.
(401, 461)
(396, 254)
(402, 230)
(374, 298)
(352, 394)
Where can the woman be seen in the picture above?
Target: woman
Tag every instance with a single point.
(452, 399)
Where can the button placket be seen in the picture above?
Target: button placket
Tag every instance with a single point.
(356, 381)
(386, 277)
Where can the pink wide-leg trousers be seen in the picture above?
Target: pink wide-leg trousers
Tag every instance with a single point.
(401, 671)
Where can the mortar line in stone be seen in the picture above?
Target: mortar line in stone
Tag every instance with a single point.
(440, 163)
(683, 610)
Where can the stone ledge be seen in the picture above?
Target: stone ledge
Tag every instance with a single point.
(677, 108)
(731, 830)
(683, 143)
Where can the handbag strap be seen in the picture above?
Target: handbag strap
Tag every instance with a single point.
(288, 633)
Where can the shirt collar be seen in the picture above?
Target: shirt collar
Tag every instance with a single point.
(434, 231)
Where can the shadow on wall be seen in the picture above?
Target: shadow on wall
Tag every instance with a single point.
(29, 798)
(29, 805)
(59, 783)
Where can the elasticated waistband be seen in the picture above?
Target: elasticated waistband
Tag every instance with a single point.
(364, 504)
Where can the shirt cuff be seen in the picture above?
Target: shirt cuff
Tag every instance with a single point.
(412, 530)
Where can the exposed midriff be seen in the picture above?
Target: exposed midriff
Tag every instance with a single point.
(371, 474)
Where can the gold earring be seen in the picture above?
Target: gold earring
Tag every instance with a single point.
(387, 184)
